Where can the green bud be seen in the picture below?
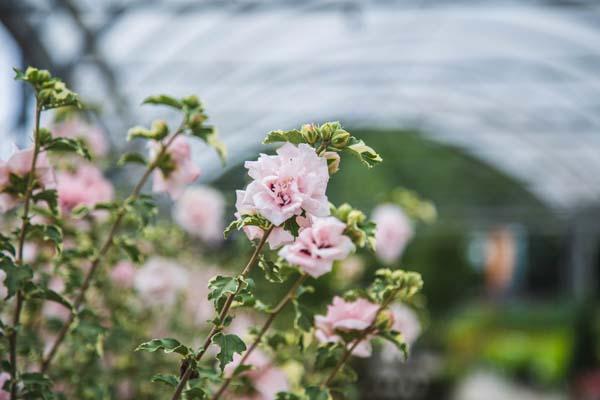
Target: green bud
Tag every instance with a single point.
(340, 139)
(310, 134)
(343, 211)
(326, 131)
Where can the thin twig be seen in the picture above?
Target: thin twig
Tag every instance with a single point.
(273, 314)
(222, 315)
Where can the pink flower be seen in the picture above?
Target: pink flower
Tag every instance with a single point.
(4, 394)
(159, 281)
(406, 322)
(183, 172)
(346, 316)
(3, 288)
(266, 379)
(123, 274)
(76, 128)
(318, 246)
(278, 236)
(286, 184)
(19, 164)
(200, 211)
(394, 231)
(86, 186)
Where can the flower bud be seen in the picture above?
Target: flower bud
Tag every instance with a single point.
(309, 132)
(340, 138)
(326, 131)
(333, 161)
(343, 211)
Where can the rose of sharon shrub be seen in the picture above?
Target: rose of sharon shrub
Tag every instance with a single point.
(182, 169)
(318, 246)
(159, 280)
(394, 231)
(288, 183)
(266, 379)
(84, 186)
(200, 212)
(76, 128)
(345, 316)
(19, 164)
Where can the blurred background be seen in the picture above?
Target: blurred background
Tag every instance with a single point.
(489, 108)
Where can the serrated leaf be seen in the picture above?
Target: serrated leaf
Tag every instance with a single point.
(163, 100)
(366, 154)
(293, 136)
(50, 197)
(47, 233)
(167, 345)
(230, 344)
(247, 220)
(133, 158)
(220, 287)
(167, 379)
(62, 144)
(17, 276)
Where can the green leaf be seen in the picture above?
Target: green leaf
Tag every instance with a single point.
(195, 393)
(366, 154)
(51, 92)
(163, 100)
(167, 379)
(158, 131)
(247, 220)
(6, 246)
(132, 157)
(47, 233)
(230, 344)
(304, 317)
(287, 396)
(143, 209)
(167, 345)
(273, 271)
(17, 276)
(293, 136)
(62, 144)
(328, 355)
(220, 287)
(130, 248)
(50, 197)
(317, 393)
(35, 291)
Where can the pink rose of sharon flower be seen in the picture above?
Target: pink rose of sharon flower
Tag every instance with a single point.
(200, 211)
(76, 128)
(287, 183)
(394, 231)
(159, 281)
(183, 172)
(86, 186)
(123, 274)
(266, 379)
(346, 316)
(318, 246)
(19, 164)
(4, 377)
(3, 288)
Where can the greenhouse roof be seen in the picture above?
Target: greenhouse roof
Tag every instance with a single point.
(513, 83)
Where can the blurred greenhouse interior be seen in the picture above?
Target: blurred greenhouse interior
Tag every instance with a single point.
(489, 108)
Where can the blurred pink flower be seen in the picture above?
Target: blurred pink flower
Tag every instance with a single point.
(159, 280)
(183, 172)
(3, 288)
(123, 274)
(345, 316)
(77, 128)
(200, 211)
(85, 186)
(406, 322)
(318, 246)
(286, 184)
(4, 394)
(19, 164)
(394, 231)
(266, 379)
(278, 236)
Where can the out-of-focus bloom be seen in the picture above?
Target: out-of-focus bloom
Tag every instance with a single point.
(54, 310)
(200, 211)
(182, 171)
(85, 186)
(394, 231)
(123, 274)
(333, 161)
(351, 269)
(405, 321)
(4, 394)
(287, 183)
(3, 288)
(159, 280)
(318, 246)
(278, 236)
(266, 379)
(346, 316)
(19, 164)
(76, 128)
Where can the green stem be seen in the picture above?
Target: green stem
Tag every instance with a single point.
(222, 315)
(272, 315)
(80, 299)
(19, 259)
